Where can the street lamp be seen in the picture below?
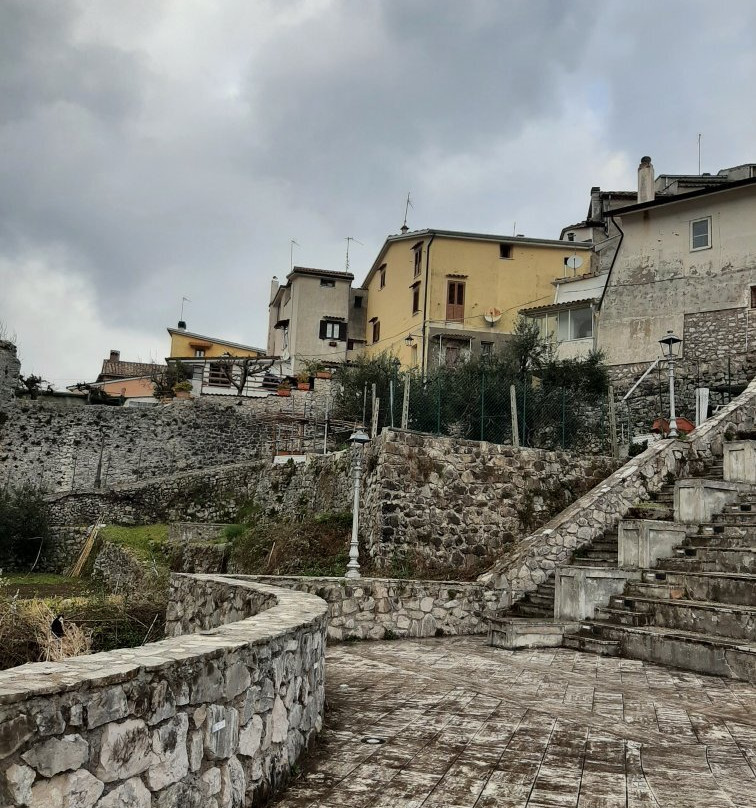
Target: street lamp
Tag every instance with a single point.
(671, 351)
(358, 439)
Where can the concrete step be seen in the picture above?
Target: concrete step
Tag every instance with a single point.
(712, 558)
(737, 518)
(732, 538)
(512, 632)
(523, 609)
(720, 587)
(690, 650)
(591, 645)
(715, 619)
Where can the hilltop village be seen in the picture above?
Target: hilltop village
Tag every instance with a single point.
(503, 491)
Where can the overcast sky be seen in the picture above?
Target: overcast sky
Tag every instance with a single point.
(154, 149)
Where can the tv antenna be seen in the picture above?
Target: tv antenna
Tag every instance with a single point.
(183, 300)
(348, 240)
(408, 204)
(292, 244)
(699, 154)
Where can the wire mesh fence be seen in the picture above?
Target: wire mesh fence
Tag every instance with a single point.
(484, 406)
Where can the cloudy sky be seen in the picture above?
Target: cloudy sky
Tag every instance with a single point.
(154, 149)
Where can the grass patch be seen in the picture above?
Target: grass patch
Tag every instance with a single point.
(316, 546)
(145, 541)
(44, 585)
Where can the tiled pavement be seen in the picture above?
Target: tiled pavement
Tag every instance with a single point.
(468, 726)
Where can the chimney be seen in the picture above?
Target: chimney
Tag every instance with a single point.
(646, 180)
(404, 228)
(273, 288)
(181, 325)
(596, 213)
(115, 356)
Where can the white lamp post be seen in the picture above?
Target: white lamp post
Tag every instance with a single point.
(671, 350)
(358, 439)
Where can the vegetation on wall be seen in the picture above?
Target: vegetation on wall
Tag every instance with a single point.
(23, 524)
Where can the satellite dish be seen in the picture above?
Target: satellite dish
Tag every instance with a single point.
(574, 262)
(492, 316)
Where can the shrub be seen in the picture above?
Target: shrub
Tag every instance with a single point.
(24, 525)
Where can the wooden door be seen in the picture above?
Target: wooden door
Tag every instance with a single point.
(455, 301)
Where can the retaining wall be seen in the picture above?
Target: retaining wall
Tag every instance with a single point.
(534, 559)
(385, 608)
(210, 719)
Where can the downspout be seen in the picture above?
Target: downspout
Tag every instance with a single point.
(608, 278)
(425, 306)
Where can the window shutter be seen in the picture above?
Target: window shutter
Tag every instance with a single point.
(342, 331)
(323, 326)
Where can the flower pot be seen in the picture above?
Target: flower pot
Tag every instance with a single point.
(283, 391)
(324, 374)
(303, 385)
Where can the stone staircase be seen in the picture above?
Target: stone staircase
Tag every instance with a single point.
(694, 610)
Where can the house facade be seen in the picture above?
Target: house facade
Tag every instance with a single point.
(438, 295)
(686, 263)
(209, 360)
(315, 318)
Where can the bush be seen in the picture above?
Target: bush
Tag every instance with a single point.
(24, 525)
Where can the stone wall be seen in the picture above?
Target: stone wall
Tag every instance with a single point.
(215, 494)
(719, 334)
(98, 446)
(533, 560)
(10, 367)
(384, 608)
(451, 502)
(120, 570)
(214, 719)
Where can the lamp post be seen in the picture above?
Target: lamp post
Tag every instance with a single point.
(358, 439)
(671, 350)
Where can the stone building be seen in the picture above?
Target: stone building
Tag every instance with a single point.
(10, 367)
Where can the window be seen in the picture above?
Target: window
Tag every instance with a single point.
(217, 376)
(455, 301)
(376, 332)
(332, 330)
(574, 324)
(327, 282)
(199, 352)
(753, 297)
(418, 259)
(382, 274)
(505, 250)
(358, 302)
(486, 348)
(350, 345)
(415, 298)
(570, 236)
(700, 234)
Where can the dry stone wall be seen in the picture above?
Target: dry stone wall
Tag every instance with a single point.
(10, 367)
(98, 446)
(534, 559)
(452, 502)
(384, 608)
(215, 719)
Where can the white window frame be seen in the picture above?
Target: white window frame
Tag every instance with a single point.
(694, 222)
(332, 329)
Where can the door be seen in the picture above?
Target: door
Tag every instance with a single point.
(455, 301)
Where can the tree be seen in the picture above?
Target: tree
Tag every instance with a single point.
(164, 379)
(527, 350)
(33, 385)
(237, 370)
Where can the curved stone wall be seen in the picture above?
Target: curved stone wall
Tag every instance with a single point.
(202, 720)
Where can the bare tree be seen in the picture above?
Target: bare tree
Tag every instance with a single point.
(237, 370)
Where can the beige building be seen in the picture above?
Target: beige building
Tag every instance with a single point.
(315, 318)
(440, 295)
(686, 263)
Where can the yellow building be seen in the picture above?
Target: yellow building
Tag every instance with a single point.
(185, 345)
(434, 295)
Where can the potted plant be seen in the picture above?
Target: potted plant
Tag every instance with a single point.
(183, 389)
(284, 389)
(318, 370)
(303, 380)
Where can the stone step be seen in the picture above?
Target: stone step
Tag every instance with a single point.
(716, 619)
(720, 587)
(524, 609)
(733, 538)
(690, 650)
(712, 558)
(735, 518)
(513, 632)
(591, 645)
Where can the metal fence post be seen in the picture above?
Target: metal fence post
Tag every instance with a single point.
(612, 423)
(405, 402)
(438, 405)
(482, 401)
(564, 415)
(513, 413)
(524, 409)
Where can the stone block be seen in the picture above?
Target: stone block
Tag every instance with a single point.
(14, 732)
(278, 722)
(579, 590)
(513, 633)
(77, 789)
(58, 755)
(131, 794)
(740, 461)
(105, 706)
(221, 732)
(250, 737)
(697, 500)
(232, 784)
(18, 782)
(125, 750)
(171, 762)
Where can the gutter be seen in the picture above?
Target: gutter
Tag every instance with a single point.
(614, 261)
(425, 305)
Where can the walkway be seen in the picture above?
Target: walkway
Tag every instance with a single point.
(463, 725)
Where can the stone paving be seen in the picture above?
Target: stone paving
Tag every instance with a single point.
(464, 725)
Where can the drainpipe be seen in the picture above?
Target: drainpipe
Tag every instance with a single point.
(425, 306)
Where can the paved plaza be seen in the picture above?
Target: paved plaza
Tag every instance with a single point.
(463, 725)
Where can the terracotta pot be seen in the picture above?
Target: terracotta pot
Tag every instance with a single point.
(283, 391)
(303, 385)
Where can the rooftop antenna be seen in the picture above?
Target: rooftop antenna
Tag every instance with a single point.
(292, 244)
(699, 154)
(407, 206)
(349, 239)
(183, 300)
(514, 227)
